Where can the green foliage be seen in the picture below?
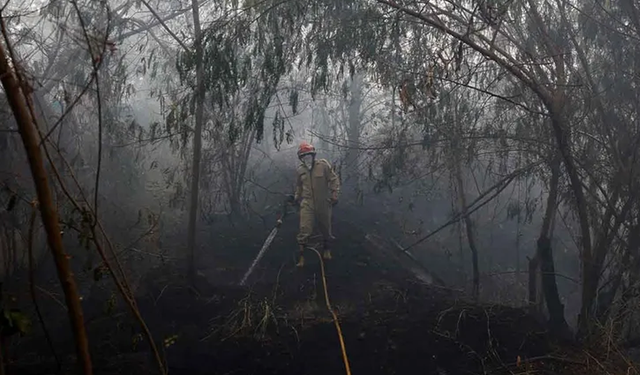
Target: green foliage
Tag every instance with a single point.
(170, 340)
(243, 59)
(15, 321)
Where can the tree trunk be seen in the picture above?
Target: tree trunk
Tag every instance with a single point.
(544, 255)
(549, 286)
(353, 133)
(534, 301)
(469, 225)
(518, 235)
(589, 281)
(197, 144)
(455, 166)
(321, 123)
(29, 133)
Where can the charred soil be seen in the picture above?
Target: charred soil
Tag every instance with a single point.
(279, 323)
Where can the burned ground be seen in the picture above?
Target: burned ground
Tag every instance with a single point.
(279, 324)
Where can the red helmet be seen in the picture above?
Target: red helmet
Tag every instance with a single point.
(306, 149)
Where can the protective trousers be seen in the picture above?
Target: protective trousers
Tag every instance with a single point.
(310, 216)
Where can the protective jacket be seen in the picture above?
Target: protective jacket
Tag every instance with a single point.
(316, 190)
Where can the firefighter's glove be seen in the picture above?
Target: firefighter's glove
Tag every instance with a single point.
(291, 199)
(334, 199)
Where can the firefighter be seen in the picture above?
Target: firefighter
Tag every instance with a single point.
(317, 190)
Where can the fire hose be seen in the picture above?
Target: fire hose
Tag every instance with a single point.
(343, 348)
(334, 316)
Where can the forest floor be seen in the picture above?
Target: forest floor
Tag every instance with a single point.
(279, 323)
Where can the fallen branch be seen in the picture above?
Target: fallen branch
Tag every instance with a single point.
(548, 358)
(499, 187)
(555, 274)
(437, 281)
(403, 259)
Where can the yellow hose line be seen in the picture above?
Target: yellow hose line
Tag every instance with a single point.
(333, 314)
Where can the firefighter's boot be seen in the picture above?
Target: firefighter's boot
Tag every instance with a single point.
(301, 257)
(327, 251)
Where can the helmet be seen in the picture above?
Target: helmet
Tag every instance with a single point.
(306, 149)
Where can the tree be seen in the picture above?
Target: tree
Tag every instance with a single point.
(552, 35)
(26, 121)
(197, 140)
